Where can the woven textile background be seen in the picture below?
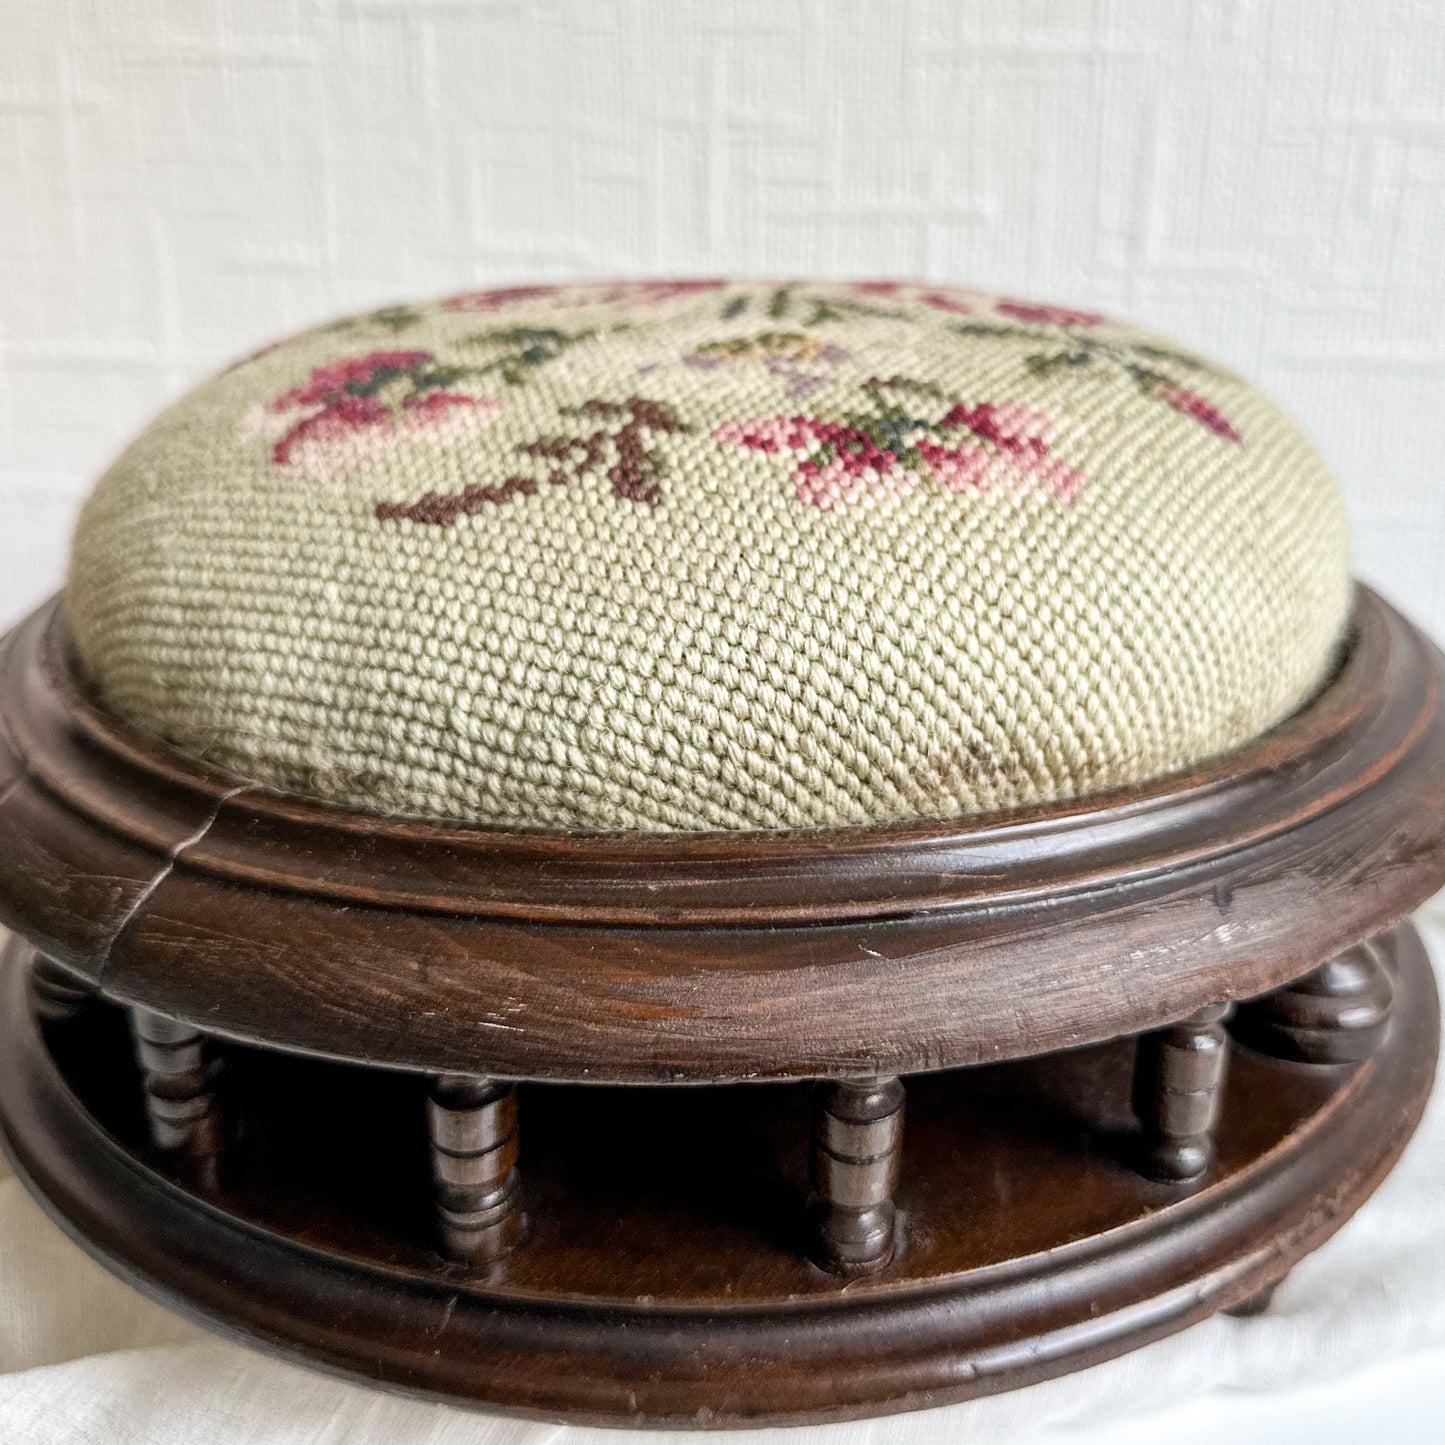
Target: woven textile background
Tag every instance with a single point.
(180, 179)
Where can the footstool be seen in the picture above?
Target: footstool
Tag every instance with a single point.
(714, 853)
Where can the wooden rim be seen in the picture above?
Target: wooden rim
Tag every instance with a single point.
(148, 794)
(654, 958)
(442, 1332)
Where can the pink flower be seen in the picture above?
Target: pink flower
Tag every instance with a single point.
(859, 473)
(941, 298)
(948, 301)
(652, 292)
(770, 433)
(1194, 405)
(1009, 425)
(843, 482)
(348, 414)
(497, 298)
(960, 469)
(972, 468)
(1021, 457)
(1059, 478)
(335, 424)
(1039, 314)
(355, 432)
(432, 406)
(844, 465)
(607, 293)
(328, 382)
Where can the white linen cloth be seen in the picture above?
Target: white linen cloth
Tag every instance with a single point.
(1354, 1346)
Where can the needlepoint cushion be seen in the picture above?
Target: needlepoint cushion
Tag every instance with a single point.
(691, 555)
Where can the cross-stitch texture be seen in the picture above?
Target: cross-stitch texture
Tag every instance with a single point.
(712, 555)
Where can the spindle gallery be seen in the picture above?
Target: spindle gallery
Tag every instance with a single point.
(675, 874)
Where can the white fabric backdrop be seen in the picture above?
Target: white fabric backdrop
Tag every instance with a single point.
(1352, 1349)
(180, 179)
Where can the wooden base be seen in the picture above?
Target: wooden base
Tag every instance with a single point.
(664, 1278)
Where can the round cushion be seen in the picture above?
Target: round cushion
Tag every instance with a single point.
(712, 555)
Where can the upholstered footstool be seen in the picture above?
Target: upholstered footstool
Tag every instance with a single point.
(714, 852)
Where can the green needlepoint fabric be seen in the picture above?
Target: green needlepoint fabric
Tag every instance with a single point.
(693, 555)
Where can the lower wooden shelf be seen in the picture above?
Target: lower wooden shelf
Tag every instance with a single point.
(664, 1275)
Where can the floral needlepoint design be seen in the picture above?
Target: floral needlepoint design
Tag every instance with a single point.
(1067, 346)
(351, 413)
(575, 355)
(1192, 404)
(878, 456)
(805, 306)
(971, 303)
(498, 298)
(962, 303)
(803, 362)
(622, 294)
(1040, 315)
(616, 448)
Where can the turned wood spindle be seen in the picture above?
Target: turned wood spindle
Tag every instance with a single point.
(184, 1117)
(472, 1123)
(56, 994)
(1338, 1014)
(857, 1134)
(1177, 1077)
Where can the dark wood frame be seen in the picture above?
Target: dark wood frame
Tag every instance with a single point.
(1083, 1261)
(221, 916)
(636, 958)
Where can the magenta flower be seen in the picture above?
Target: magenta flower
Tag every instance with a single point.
(608, 293)
(941, 298)
(960, 469)
(335, 424)
(870, 461)
(846, 482)
(1038, 314)
(1204, 412)
(840, 465)
(770, 433)
(1018, 453)
(949, 301)
(497, 297)
(352, 412)
(967, 303)
(653, 292)
(432, 406)
(352, 375)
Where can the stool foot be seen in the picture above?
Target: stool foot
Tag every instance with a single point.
(857, 1135)
(472, 1123)
(1177, 1078)
(1339, 1014)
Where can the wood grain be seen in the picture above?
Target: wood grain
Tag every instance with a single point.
(681, 957)
(670, 1285)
